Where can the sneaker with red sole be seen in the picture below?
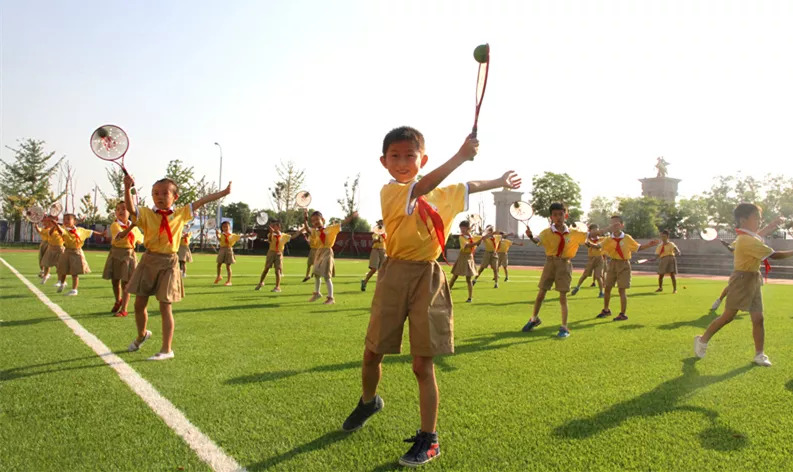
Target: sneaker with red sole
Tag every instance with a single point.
(424, 449)
(116, 306)
(620, 317)
(121, 314)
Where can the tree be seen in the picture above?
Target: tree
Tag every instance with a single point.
(349, 204)
(285, 190)
(185, 180)
(89, 212)
(209, 210)
(641, 216)
(694, 215)
(601, 209)
(669, 218)
(549, 188)
(26, 180)
(241, 215)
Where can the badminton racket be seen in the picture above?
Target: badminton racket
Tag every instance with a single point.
(709, 234)
(303, 199)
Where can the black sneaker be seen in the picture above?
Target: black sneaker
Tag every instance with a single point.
(306, 279)
(531, 325)
(361, 414)
(604, 314)
(425, 448)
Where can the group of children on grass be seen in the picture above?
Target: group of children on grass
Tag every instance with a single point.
(411, 284)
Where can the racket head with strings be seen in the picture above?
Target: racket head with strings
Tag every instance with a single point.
(262, 218)
(303, 199)
(709, 234)
(521, 211)
(211, 224)
(378, 229)
(109, 143)
(55, 209)
(34, 214)
(481, 80)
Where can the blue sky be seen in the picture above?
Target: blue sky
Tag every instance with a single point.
(595, 89)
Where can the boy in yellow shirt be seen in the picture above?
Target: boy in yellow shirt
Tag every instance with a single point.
(561, 245)
(667, 261)
(376, 256)
(157, 273)
(227, 240)
(72, 260)
(185, 255)
(465, 266)
(411, 284)
(492, 240)
(503, 254)
(594, 265)
(619, 247)
(275, 254)
(54, 248)
(324, 262)
(744, 291)
(121, 261)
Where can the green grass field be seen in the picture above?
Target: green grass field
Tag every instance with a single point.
(270, 378)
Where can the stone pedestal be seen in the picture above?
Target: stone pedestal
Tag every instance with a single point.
(504, 221)
(662, 188)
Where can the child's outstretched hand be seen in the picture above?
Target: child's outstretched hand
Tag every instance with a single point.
(655, 242)
(511, 180)
(469, 149)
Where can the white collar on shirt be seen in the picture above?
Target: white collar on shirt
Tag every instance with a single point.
(565, 229)
(155, 209)
(751, 233)
(122, 223)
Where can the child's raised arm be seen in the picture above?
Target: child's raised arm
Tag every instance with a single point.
(129, 182)
(509, 180)
(211, 197)
(427, 183)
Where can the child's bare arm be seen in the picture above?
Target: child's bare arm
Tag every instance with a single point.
(427, 183)
(781, 255)
(509, 180)
(771, 227)
(211, 197)
(351, 217)
(648, 245)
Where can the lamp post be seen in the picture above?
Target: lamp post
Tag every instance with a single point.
(220, 183)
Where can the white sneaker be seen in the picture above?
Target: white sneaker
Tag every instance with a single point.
(184, 274)
(44, 279)
(762, 359)
(135, 346)
(716, 304)
(700, 347)
(71, 293)
(161, 357)
(60, 287)
(276, 290)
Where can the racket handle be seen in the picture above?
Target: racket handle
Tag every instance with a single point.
(473, 132)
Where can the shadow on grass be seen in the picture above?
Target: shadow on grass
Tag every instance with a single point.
(789, 385)
(28, 370)
(9, 296)
(663, 399)
(319, 443)
(701, 322)
(631, 327)
(29, 321)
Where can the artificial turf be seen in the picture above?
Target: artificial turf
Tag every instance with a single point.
(270, 378)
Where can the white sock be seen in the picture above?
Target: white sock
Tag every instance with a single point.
(329, 286)
(316, 285)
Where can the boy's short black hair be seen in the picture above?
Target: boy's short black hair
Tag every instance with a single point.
(557, 206)
(465, 224)
(166, 180)
(275, 221)
(404, 133)
(666, 232)
(745, 210)
(317, 213)
(67, 215)
(617, 217)
(593, 226)
(224, 223)
(121, 203)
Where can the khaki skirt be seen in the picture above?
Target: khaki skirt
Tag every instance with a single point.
(667, 265)
(311, 255)
(120, 264)
(52, 255)
(157, 275)
(464, 266)
(226, 256)
(324, 265)
(185, 255)
(72, 262)
(42, 250)
(376, 258)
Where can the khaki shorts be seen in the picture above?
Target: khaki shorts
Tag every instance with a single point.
(490, 259)
(157, 275)
(376, 258)
(503, 259)
(556, 271)
(72, 262)
(312, 253)
(619, 274)
(185, 255)
(120, 264)
(464, 266)
(274, 259)
(42, 250)
(667, 265)
(324, 265)
(417, 291)
(594, 267)
(51, 256)
(226, 256)
(744, 292)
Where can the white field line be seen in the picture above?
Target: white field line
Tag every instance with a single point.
(204, 447)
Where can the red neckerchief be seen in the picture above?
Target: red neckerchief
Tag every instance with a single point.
(426, 210)
(383, 236)
(164, 226)
(619, 249)
(73, 231)
(226, 236)
(322, 235)
(765, 261)
(496, 244)
(130, 236)
(561, 234)
(471, 241)
(277, 241)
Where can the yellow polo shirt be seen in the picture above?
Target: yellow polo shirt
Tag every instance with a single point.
(491, 243)
(44, 233)
(465, 240)
(228, 239)
(72, 242)
(278, 249)
(149, 222)
(379, 241)
(594, 251)
(315, 241)
(504, 246)
(116, 228)
(410, 238)
(186, 237)
(54, 238)
(750, 252)
(549, 240)
(627, 244)
(666, 250)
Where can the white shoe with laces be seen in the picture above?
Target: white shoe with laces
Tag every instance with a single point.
(762, 360)
(161, 356)
(136, 345)
(700, 347)
(71, 292)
